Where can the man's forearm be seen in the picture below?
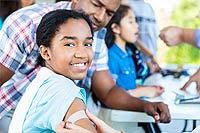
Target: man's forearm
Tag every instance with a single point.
(5, 74)
(120, 99)
(112, 96)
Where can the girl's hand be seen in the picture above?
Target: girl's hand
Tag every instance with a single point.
(153, 91)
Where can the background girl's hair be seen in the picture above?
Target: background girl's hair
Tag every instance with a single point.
(49, 26)
(117, 17)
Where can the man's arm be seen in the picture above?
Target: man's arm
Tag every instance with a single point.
(174, 35)
(5, 74)
(115, 97)
(105, 89)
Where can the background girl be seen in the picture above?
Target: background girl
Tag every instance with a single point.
(123, 30)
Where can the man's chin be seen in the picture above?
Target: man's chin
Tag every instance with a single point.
(95, 28)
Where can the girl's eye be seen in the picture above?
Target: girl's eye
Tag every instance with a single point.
(88, 44)
(70, 44)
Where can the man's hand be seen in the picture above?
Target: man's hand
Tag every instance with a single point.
(172, 35)
(158, 110)
(193, 78)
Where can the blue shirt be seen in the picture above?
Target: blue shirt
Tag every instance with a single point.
(142, 70)
(197, 38)
(122, 67)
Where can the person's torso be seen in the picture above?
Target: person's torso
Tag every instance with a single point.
(126, 75)
(46, 101)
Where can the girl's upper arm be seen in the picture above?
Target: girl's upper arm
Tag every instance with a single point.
(78, 105)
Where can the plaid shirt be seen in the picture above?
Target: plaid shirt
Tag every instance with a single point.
(19, 52)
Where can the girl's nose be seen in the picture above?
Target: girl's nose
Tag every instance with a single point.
(80, 53)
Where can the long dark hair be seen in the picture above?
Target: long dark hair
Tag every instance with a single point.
(50, 24)
(117, 17)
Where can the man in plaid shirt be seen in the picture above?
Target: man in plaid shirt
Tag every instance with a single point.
(19, 52)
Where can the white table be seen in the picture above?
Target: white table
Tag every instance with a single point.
(125, 119)
(178, 112)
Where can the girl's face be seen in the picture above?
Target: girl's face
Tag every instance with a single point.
(70, 53)
(128, 28)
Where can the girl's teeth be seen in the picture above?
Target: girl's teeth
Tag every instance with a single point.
(78, 65)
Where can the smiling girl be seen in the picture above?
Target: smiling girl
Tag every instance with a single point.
(65, 41)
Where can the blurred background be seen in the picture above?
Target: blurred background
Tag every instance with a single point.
(183, 13)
